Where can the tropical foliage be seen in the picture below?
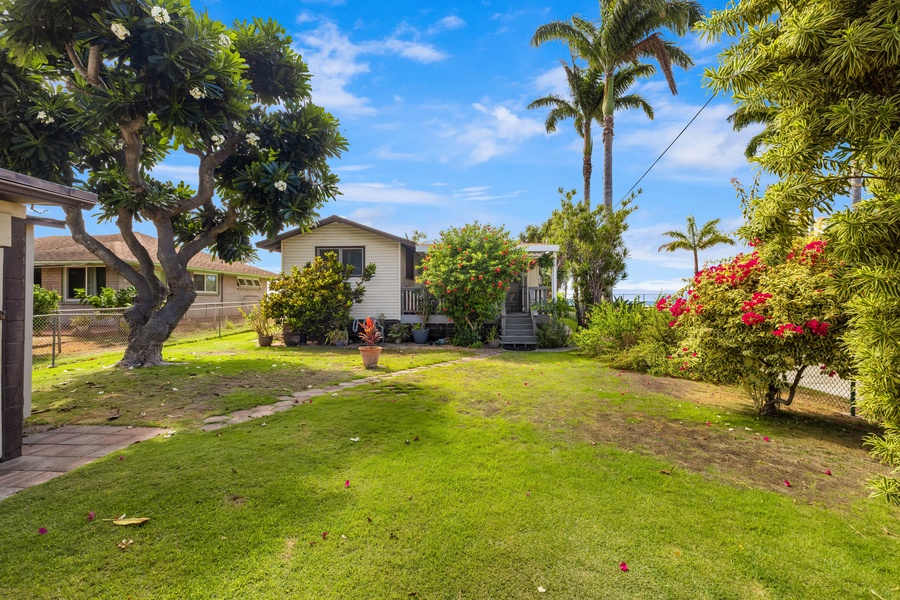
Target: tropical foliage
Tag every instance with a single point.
(109, 89)
(628, 30)
(46, 302)
(107, 298)
(695, 240)
(824, 80)
(763, 325)
(469, 271)
(317, 298)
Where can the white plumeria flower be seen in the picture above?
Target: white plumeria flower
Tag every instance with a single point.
(218, 139)
(44, 118)
(236, 125)
(252, 139)
(198, 93)
(159, 14)
(280, 185)
(120, 31)
(120, 145)
(356, 439)
(225, 40)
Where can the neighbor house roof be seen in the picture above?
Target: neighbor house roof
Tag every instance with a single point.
(275, 243)
(62, 249)
(15, 187)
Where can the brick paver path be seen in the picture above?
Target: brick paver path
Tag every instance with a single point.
(48, 453)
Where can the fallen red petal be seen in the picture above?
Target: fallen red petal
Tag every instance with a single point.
(347, 483)
(324, 534)
(828, 472)
(787, 483)
(623, 566)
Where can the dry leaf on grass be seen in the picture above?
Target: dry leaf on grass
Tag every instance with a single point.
(124, 544)
(131, 521)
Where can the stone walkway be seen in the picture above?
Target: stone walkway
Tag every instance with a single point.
(48, 453)
(288, 402)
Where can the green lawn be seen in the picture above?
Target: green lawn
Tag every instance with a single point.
(207, 378)
(486, 479)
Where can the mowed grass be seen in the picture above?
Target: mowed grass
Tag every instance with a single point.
(210, 377)
(486, 479)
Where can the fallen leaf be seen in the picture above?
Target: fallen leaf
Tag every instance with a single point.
(131, 521)
(416, 439)
(343, 537)
(541, 590)
(356, 439)
(124, 544)
(664, 472)
(392, 536)
(369, 519)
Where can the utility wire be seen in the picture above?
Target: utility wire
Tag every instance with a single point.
(667, 148)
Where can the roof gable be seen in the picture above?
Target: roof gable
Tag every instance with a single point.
(275, 243)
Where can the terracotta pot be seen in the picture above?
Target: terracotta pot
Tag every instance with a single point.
(370, 355)
(265, 340)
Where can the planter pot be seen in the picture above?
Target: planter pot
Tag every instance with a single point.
(492, 345)
(370, 355)
(265, 340)
(294, 338)
(420, 336)
(538, 319)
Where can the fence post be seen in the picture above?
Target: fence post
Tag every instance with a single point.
(53, 326)
(853, 398)
(219, 320)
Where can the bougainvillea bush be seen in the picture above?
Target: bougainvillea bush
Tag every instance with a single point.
(469, 271)
(743, 321)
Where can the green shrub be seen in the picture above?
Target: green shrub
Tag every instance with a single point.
(46, 302)
(108, 298)
(612, 328)
(552, 334)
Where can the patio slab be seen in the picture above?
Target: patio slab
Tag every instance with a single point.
(48, 453)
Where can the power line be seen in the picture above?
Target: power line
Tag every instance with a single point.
(667, 148)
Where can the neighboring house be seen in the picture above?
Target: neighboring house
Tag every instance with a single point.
(16, 270)
(393, 292)
(63, 265)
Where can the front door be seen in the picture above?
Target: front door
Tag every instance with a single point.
(514, 297)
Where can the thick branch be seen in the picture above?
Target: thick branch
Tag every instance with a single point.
(75, 222)
(206, 175)
(208, 237)
(148, 269)
(793, 388)
(134, 148)
(91, 73)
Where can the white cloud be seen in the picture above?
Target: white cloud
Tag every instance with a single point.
(387, 193)
(385, 153)
(448, 23)
(649, 286)
(176, 173)
(643, 244)
(352, 168)
(336, 61)
(368, 216)
(552, 82)
(498, 131)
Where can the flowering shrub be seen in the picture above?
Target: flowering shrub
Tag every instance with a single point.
(469, 271)
(317, 298)
(743, 320)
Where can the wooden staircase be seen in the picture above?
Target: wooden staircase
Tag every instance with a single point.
(518, 332)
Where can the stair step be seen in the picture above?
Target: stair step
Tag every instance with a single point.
(518, 340)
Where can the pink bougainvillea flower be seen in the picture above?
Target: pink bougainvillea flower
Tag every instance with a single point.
(787, 483)
(42, 531)
(623, 567)
(91, 516)
(708, 424)
(828, 472)
(121, 458)
(324, 534)
(766, 439)
(347, 483)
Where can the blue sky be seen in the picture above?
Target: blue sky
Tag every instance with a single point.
(432, 98)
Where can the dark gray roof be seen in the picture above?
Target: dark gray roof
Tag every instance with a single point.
(275, 243)
(15, 187)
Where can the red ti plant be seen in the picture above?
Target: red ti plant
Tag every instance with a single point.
(370, 334)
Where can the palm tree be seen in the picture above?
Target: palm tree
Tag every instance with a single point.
(627, 31)
(584, 105)
(696, 240)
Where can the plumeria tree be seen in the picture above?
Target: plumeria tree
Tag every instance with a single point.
(763, 325)
(110, 89)
(469, 271)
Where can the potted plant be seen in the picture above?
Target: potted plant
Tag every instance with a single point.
(337, 337)
(370, 336)
(291, 333)
(423, 309)
(398, 333)
(492, 338)
(261, 325)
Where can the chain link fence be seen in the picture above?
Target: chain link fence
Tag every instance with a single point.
(82, 332)
(827, 389)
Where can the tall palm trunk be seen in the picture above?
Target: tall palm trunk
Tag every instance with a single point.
(607, 161)
(696, 262)
(588, 167)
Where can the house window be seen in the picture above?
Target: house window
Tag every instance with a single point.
(206, 283)
(90, 279)
(355, 257)
(246, 282)
(37, 276)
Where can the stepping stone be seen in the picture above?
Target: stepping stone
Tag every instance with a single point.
(265, 411)
(240, 419)
(217, 419)
(214, 426)
(288, 398)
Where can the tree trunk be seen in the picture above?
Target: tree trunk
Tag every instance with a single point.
(607, 161)
(149, 330)
(773, 399)
(587, 167)
(696, 263)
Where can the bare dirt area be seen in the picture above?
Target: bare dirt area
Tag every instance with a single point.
(819, 452)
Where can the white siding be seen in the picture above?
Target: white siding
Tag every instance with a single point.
(382, 292)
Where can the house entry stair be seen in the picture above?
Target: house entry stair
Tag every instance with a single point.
(518, 332)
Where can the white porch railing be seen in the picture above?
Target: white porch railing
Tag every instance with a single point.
(537, 295)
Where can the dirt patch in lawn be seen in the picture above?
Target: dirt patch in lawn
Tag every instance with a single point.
(800, 446)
